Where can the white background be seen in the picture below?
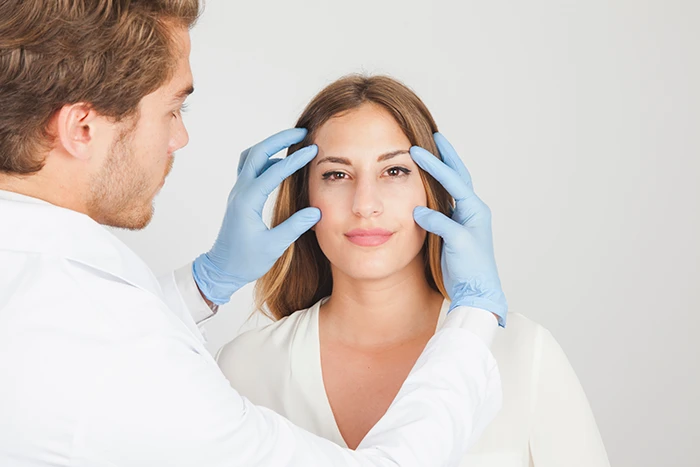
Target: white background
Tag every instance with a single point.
(579, 122)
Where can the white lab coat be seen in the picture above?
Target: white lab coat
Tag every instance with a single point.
(103, 365)
(546, 420)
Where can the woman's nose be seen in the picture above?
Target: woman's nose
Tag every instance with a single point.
(367, 202)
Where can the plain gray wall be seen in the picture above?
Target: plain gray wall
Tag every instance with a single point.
(579, 122)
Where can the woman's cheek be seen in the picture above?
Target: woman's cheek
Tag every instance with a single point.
(329, 215)
(402, 200)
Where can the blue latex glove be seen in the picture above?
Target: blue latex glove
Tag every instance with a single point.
(245, 248)
(468, 263)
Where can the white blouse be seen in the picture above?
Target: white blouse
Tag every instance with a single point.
(545, 421)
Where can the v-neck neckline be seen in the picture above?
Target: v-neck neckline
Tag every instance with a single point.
(314, 387)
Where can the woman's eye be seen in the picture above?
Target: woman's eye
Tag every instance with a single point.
(334, 176)
(396, 172)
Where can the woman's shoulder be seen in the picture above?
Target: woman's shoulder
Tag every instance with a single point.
(524, 343)
(263, 349)
(519, 340)
(520, 327)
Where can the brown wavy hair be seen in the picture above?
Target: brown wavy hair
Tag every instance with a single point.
(106, 53)
(302, 275)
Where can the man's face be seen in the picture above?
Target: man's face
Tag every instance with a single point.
(366, 186)
(142, 150)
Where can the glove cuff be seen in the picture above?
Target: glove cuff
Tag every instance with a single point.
(499, 307)
(216, 285)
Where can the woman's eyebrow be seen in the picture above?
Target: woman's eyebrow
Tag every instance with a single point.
(344, 161)
(335, 160)
(389, 155)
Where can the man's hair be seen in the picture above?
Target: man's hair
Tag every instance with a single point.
(302, 275)
(106, 53)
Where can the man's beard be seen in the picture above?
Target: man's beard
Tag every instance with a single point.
(120, 194)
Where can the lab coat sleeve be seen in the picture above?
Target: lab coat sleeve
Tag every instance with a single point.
(160, 402)
(182, 294)
(564, 431)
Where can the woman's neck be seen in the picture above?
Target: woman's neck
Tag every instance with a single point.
(381, 313)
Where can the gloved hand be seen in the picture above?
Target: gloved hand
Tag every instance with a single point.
(245, 248)
(468, 262)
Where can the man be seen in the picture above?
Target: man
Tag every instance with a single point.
(102, 364)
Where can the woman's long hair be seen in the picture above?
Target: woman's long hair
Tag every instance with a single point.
(302, 275)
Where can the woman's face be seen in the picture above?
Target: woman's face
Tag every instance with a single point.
(366, 186)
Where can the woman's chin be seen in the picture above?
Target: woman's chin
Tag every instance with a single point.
(370, 272)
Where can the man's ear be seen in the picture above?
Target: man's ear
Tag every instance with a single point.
(75, 129)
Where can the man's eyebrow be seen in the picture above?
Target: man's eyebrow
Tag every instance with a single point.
(184, 93)
(344, 161)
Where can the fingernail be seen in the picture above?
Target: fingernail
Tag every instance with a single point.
(313, 150)
(314, 214)
(308, 150)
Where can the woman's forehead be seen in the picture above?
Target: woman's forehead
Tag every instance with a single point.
(364, 132)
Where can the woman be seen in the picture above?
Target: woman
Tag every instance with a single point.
(335, 358)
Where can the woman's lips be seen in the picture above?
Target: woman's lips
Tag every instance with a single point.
(369, 237)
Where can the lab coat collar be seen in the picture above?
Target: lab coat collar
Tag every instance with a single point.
(31, 225)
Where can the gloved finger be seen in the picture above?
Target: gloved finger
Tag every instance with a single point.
(447, 177)
(242, 159)
(438, 223)
(451, 158)
(471, 207)
(290, 230)
(473, 213)
(258, 155)
(272, 177)
(270, 163)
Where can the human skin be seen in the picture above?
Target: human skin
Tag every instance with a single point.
(112, 170)
(354, 190)
(382, 311)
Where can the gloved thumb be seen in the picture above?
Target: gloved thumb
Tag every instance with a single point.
(437, 223)
(290, 230)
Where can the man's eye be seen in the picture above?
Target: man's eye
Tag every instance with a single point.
(334, 176)
(178, 112)
(395, 172)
